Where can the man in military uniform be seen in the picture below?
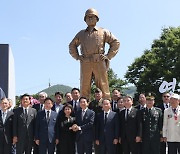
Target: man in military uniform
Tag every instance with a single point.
(94, 61)
(151, 122)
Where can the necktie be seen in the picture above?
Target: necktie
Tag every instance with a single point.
(105, 118)
(47, 117)
(167, 106)
(25, 114)
(75, 106)
(149, 111)
(115, 106)
(41, 106)
(3, 117)
(83, 112)
(174, 111)
(127, 112)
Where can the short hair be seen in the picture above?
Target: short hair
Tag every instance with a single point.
(48, 99)
(128, 96)
(119, 98)
(67, 93)
(43, 93)
(25, 95)
(115, 89)
(97, 90)
(59, 93)
(2, 99)
(84, 98)
(106, 99)
(75, 89)
(165, 93)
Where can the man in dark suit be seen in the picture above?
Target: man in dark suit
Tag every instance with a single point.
(23, 126)
(120, 107)
(42, 97)
(84, 127)
(45, 135)
(129, 127)
(164, 105)
(107, 129)
(57, 107)
(6, 124)
(39, 107)
(140, 106)
(75, 92)
(115, 95)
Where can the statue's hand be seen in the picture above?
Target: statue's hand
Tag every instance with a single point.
(103, 57)
(80, 58)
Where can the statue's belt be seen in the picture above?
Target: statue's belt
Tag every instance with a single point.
(95, 58)
(91, 58)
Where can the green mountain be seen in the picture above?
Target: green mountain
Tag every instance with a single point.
(61, 88)
(130, 91)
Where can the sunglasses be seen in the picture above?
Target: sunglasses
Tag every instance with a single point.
(166, 96)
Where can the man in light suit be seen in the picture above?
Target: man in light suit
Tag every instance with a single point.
(171, 125)
(130, 133)
(6, 124)
(84, 127)
(57, 107)
(45, 135)
(107, 129)
(23, 126)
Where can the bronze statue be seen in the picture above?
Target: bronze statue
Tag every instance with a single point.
(94, 61)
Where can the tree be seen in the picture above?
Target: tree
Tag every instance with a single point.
(160, 63)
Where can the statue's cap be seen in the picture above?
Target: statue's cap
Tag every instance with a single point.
(91, 11)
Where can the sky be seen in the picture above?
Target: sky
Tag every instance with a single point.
(39, 32)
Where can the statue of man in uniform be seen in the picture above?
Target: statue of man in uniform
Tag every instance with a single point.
(94, 62)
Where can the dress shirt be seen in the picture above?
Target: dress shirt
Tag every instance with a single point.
(142, 106)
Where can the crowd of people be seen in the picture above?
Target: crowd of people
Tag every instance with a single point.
(104, 126)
